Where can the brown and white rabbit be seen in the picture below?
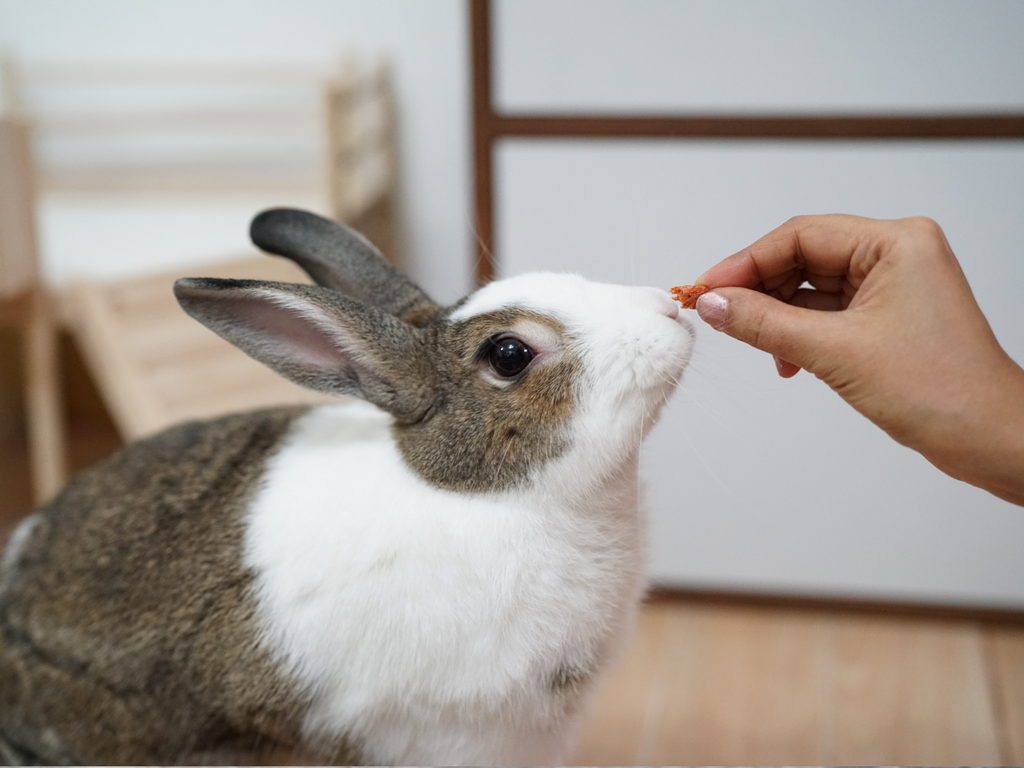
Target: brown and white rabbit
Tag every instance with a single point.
(434, 576)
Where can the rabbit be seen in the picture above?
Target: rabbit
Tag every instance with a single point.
(437, 573)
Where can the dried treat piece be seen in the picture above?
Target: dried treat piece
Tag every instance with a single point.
(687, 294)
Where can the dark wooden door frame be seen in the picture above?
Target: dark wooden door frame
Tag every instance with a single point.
(489, 126)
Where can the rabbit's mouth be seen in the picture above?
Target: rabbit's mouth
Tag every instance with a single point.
(659, 358)
(686, 324)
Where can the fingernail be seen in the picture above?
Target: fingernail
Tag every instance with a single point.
(779, 366)
(713, 309)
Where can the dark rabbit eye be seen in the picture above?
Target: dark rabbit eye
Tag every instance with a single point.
(509, 356)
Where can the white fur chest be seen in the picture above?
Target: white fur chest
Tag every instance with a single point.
(430, 626)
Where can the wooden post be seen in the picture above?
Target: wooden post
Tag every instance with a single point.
(24, 303)
(383, 221)
(19, 263)
(342, 143)
(362, 153)
(43, 400)
(483, 140)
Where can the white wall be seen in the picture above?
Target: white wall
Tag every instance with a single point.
(759, 55)
(425, 39)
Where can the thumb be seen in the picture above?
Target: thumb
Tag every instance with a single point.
(795, 335)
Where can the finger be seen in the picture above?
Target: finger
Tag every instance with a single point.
(783, 287)
(801, 337)
(785, 368)
(823, 245)
(823, 301)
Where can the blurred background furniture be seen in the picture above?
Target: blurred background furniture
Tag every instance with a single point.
(155, 366)
(25, 303)
(193, 128)
(183, 130)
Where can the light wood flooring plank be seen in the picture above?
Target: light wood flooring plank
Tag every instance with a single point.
(620, 719)
(743, 688)
(707, 683)
(910, 691)
(1006, 648)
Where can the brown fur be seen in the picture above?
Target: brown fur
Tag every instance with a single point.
(422, 314)
(341, 259)
(477, 436)
(129, 601)
(569, 679)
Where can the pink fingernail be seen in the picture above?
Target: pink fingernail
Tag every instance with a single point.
(713, 309)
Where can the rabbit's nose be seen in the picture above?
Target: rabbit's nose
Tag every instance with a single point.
(672, 312)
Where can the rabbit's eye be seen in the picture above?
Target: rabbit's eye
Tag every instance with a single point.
(509, 356)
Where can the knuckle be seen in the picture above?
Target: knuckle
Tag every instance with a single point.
(799, 222)
(926, 240)
(924, 226)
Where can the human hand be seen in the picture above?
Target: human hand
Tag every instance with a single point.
(901, 337)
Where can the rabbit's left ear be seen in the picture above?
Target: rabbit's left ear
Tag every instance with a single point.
(318, 339)
(338, 257)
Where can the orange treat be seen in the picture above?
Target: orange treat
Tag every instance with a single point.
(687, 294)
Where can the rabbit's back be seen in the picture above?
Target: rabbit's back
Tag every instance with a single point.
(127, 598)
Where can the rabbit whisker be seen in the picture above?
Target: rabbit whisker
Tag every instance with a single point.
(501, 463)
(481, 257)
(724, 486)
(672, 380)
(715, 415)
(640, 438)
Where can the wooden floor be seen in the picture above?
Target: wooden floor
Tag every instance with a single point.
(730, 682)
(734, 683)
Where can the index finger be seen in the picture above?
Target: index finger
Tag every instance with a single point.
(823, 246)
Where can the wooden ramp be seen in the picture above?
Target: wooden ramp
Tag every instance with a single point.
(176, 130)
(155, 366)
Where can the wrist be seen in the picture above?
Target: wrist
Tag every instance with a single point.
(982, 441)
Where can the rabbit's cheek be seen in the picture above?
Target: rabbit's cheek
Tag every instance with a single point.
(489, 438)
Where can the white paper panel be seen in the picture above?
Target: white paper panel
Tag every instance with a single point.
(758, 55)
(756, 482)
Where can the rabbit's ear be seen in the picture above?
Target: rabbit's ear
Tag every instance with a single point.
(340, 258)
(318, 339)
